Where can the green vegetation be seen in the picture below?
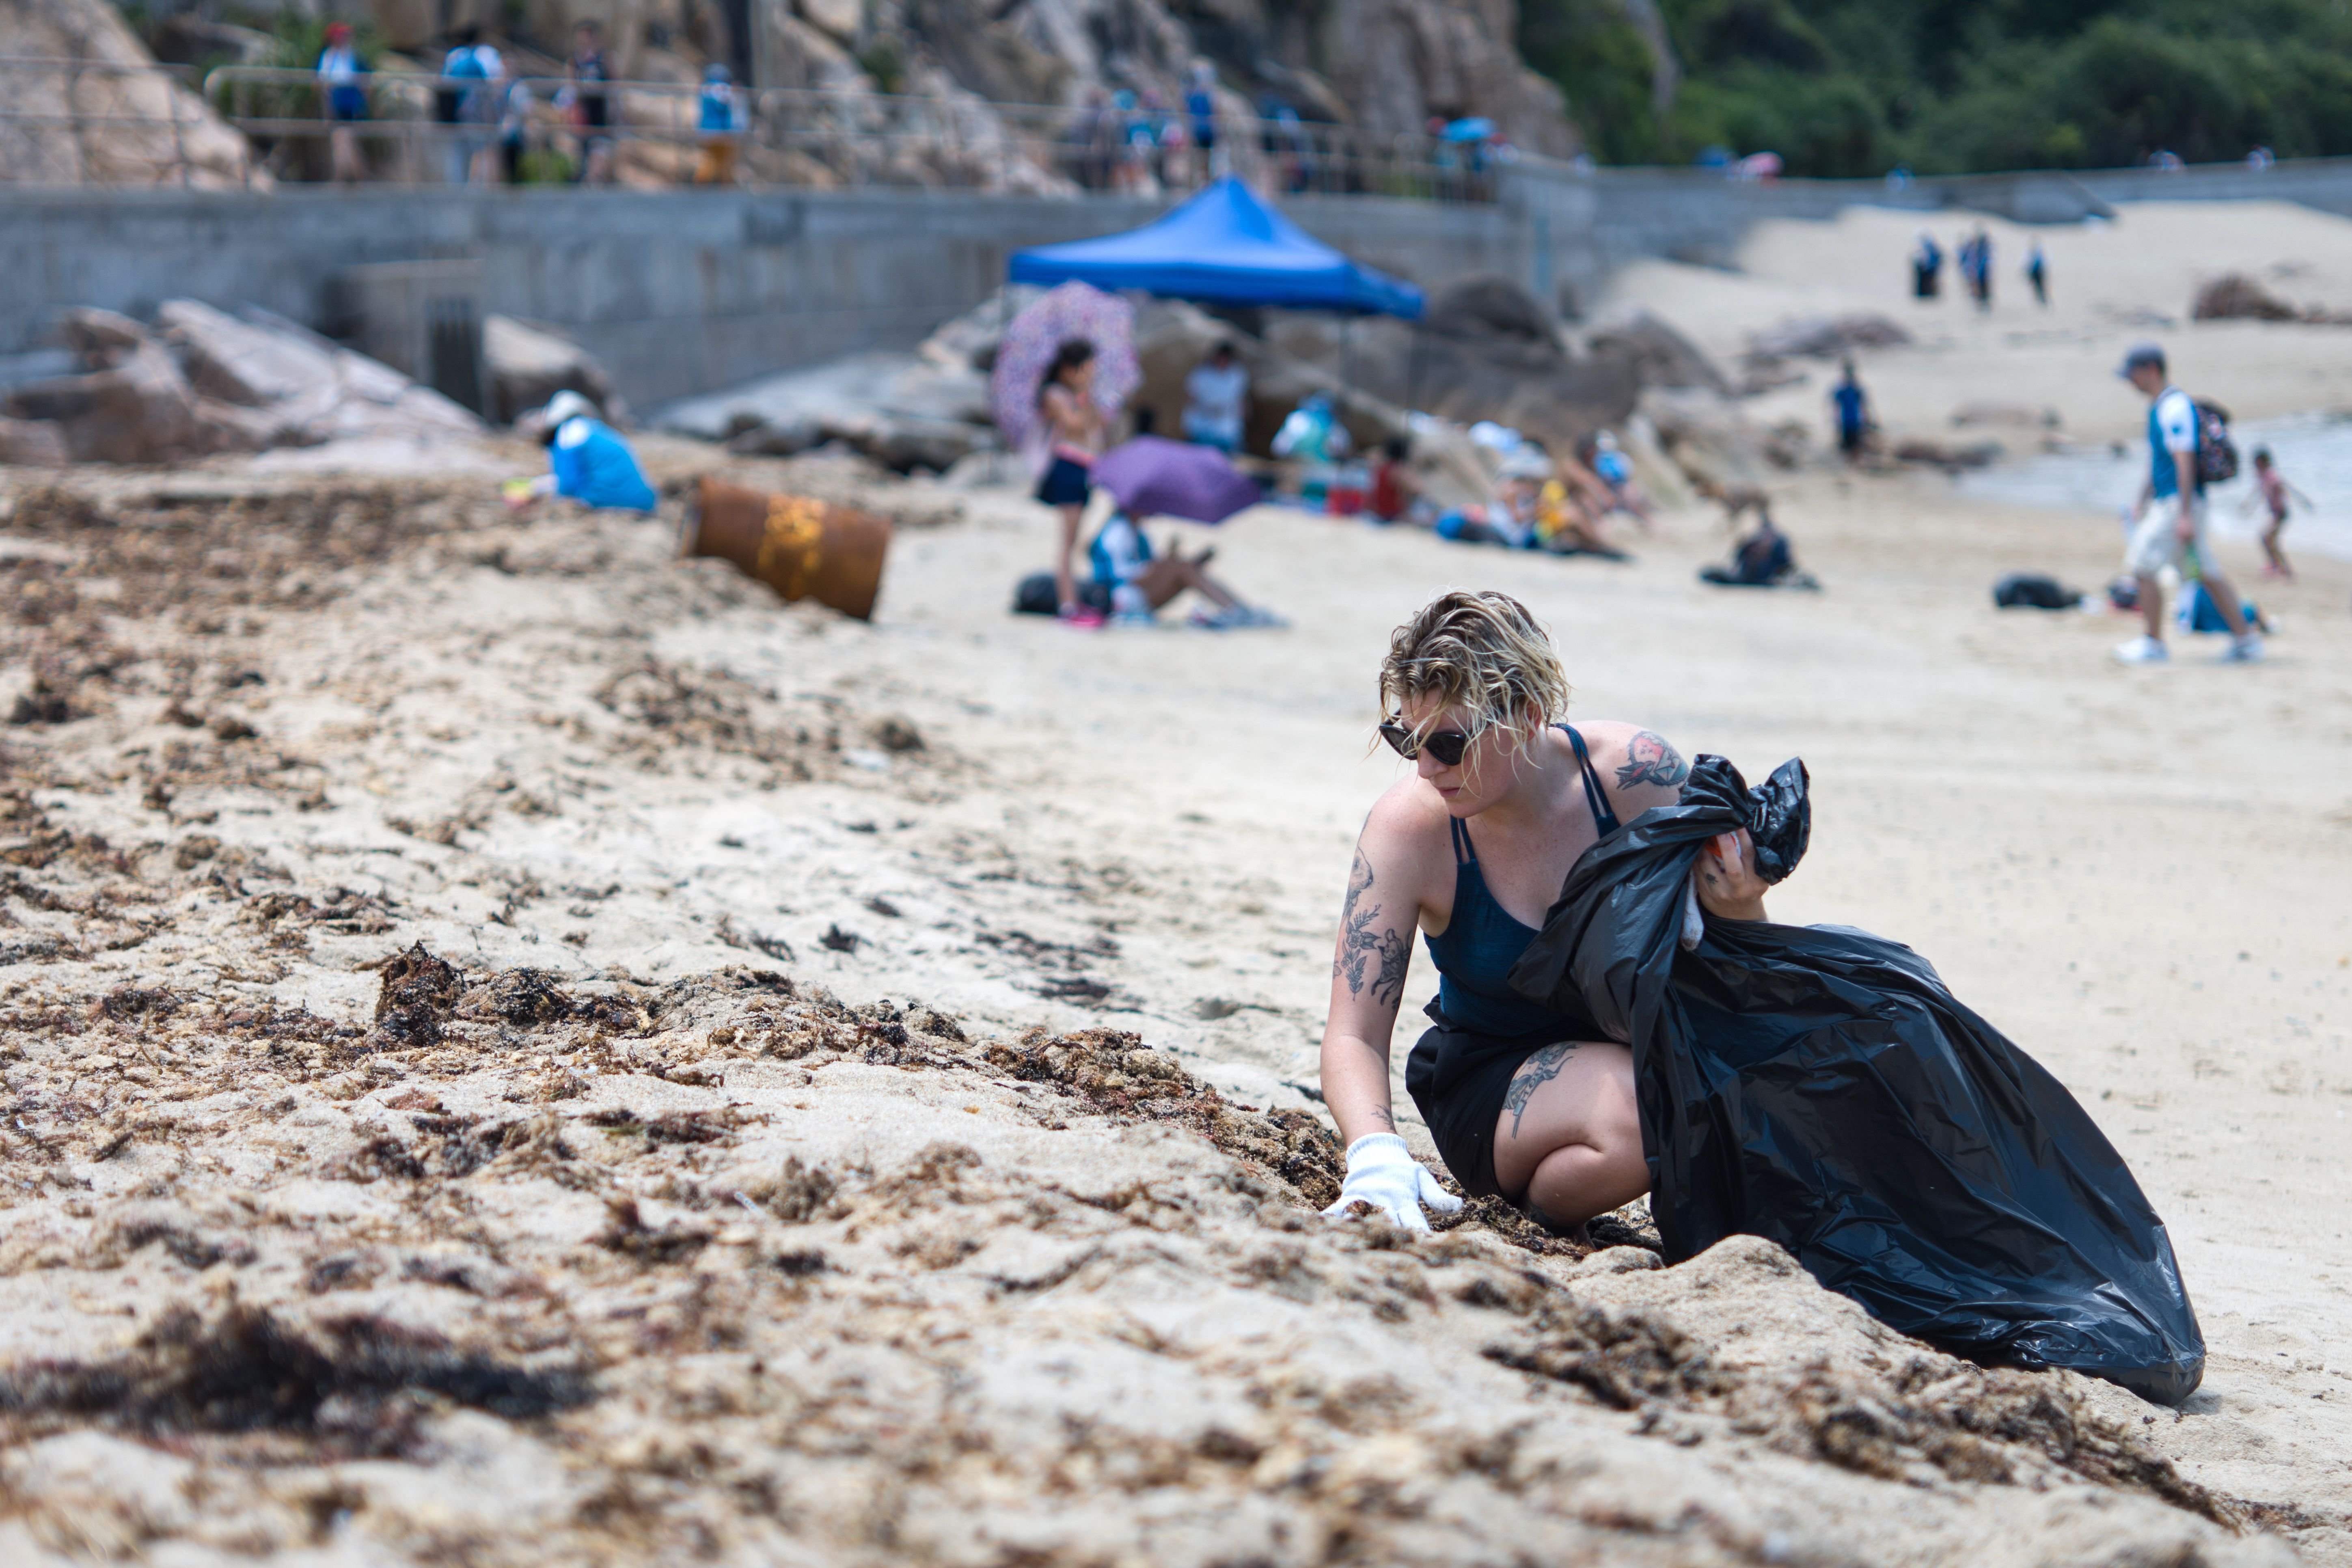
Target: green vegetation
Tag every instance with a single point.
(1856, 87)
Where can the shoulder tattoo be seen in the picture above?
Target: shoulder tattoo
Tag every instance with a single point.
(1650, 760)
(1368, 955)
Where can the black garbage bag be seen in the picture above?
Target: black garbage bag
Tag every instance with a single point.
(1819, 1087)
(2032, 591)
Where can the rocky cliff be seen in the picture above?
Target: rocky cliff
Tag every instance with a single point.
(1386, 67)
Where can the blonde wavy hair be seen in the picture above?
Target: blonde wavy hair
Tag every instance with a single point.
(1481, 653)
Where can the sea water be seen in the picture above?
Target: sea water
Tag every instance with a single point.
(2313, 451)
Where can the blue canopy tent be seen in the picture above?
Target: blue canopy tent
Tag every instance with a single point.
(1226, 248)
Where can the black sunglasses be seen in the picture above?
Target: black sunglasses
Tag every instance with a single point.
(1445, 745)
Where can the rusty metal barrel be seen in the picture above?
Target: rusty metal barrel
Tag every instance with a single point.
(800, 547)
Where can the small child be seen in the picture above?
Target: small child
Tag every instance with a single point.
(2271, 486)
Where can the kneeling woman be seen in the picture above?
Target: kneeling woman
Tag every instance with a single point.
(1522, 1101)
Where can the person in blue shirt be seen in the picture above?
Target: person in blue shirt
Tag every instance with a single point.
(720, 123)
(1853, 405)
(1200, 103)
(340, 68)
(587, 459)
(2168, 521)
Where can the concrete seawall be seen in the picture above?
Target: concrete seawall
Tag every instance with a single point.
(690, 290)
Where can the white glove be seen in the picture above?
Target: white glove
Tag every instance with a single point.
(1383, 1172)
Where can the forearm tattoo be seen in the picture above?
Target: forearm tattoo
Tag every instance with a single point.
(1534, 1073)
(1362, 948)
(1650, 760)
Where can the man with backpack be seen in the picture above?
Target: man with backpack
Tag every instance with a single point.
(2188, 448)
(466, 101)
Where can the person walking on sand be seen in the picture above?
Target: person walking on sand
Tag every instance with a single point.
(2037, 273)
(2169, 518)
(1074, 426)
(1853, 405)
(1926, 267)
(2274, 494)
(1526, 1104)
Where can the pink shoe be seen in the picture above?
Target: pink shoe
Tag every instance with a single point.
(1083, 617)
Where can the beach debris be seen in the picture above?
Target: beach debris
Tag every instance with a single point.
(2014, 416)
(351, 1386)
(1826, 337)
(800, 547)
(2033, 591)
(1944, 455)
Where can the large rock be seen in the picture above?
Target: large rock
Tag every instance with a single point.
(252, 366)
(133, 406)
(903, 410)
(1485, 350)
(526, 364)
(2233, 296)
(1658, 354)
(113, 120)
(33, 444)
(214, 383)
(1715, 444)
(1826, 337)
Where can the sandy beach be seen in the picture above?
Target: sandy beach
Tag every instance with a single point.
(904, 1146)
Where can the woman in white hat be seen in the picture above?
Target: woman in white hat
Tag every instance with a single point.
(586, 457)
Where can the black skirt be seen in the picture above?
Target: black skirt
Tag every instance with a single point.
(1067, 483)
(1459, 1081)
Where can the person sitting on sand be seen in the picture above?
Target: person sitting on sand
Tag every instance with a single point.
(1134, 582)
(1396, 493)
(1570, 506)
(1524, 1102)
(1614, 469)
(586, 459)
(1761, 560)
(1075, 428)
(2273, 492)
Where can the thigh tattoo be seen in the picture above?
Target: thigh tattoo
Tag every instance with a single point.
(1534, 1073)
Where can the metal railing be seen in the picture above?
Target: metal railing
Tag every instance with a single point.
(813, 138)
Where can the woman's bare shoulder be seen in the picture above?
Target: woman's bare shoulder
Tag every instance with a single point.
(1409, 813)
(1634, 761)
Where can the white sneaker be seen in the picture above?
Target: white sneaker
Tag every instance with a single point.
(2247, 649)
(2144, 651)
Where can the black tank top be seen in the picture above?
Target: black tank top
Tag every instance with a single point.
(1482, 941)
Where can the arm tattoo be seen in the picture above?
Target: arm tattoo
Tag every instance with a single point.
(1650, 760)
(1534, 1073)
(1360, 945)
